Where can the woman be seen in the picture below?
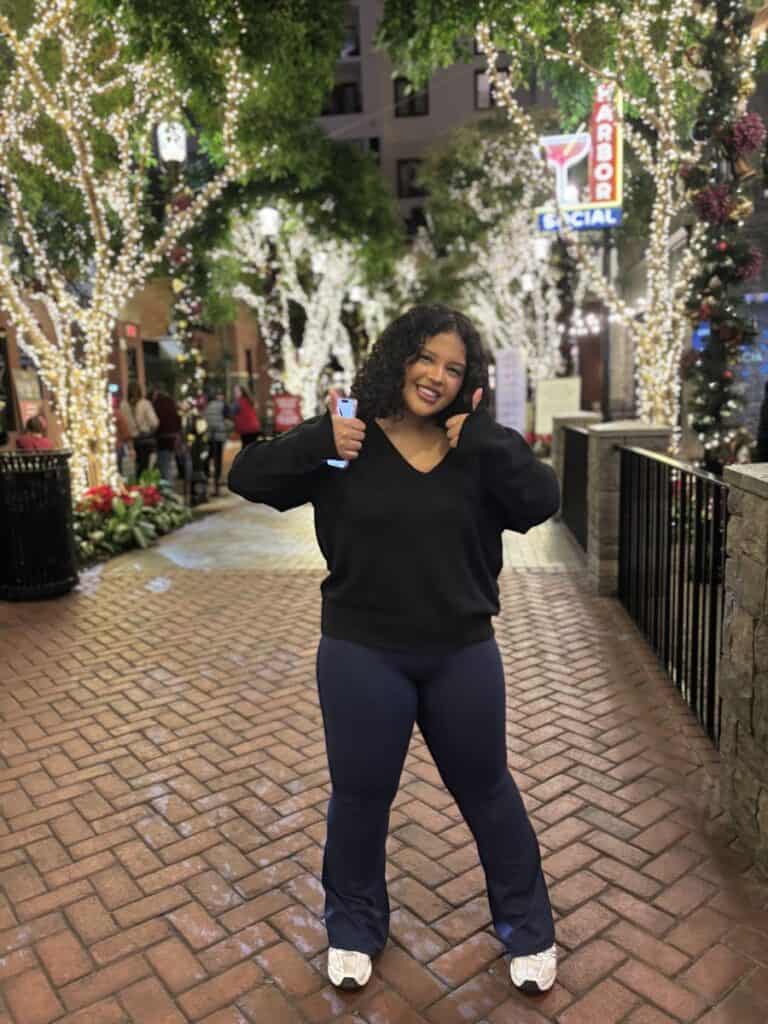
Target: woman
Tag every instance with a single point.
(34, 437)
(247, 422)
(142, 423)
(216, 413)
(411, 531)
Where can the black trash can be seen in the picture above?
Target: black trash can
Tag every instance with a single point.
(37, 543)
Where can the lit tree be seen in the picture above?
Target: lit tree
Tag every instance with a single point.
(509, 291)
(79, 116)
(651, 50)
(296, 264)
(661, 39)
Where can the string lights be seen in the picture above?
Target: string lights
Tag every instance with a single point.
(99, 109)
(299, 266)
(506, 288)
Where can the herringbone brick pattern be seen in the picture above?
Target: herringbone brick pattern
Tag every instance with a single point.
(163, 788)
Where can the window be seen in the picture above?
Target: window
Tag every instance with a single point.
(414, 221)
(410, 104)
(345, 99)
(484, 98)
(367, 145)
(350, 47)
(407, 173)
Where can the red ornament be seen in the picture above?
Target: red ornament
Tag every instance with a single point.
(704, 311)
(727, 375)
(180, 255)
(181, 202)
(722, 246)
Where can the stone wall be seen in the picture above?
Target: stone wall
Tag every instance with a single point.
(603, 493)
(744, 662)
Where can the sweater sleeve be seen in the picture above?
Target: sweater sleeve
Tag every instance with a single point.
(281, 473)
(526, 488)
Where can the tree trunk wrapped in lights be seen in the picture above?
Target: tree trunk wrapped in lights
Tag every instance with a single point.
(660, 38)
(77, 115)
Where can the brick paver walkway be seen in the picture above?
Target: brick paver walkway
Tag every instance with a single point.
(163, 787)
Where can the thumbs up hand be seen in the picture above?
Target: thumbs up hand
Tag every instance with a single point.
(453, 426)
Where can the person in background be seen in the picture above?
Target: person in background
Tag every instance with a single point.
(123, 436)
(33, 438)
(247, 422)
(141, 420)
(761, 451)
(216, 414)
(168, 432)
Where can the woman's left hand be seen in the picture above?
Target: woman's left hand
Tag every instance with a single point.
(455, 423)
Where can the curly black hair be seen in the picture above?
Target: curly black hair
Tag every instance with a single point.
(378, 385)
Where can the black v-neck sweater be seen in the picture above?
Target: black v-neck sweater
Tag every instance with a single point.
(413, 558)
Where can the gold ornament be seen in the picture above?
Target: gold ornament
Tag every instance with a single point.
(747, 86)
(741, 209)
(178, 285)
(743, 169)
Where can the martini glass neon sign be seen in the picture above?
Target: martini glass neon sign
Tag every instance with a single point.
(563, 151)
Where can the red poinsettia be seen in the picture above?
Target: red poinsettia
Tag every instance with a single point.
(150, 495)
(97, 499)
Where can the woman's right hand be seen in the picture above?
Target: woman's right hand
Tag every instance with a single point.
(348, 434)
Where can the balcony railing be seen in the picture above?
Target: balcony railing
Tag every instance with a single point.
(672, 540)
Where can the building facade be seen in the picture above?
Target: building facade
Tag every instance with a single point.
(376, 110)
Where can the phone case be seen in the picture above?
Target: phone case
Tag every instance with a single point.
(346, 407)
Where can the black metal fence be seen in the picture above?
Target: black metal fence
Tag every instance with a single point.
(672, 538)
(574, 502)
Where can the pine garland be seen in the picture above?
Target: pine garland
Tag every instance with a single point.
(718, 187)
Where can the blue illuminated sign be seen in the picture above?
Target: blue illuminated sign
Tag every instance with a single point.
(584, 219)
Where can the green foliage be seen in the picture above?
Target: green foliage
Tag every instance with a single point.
(111, 523)
(424, 35)
(346, 199)
(298, 40)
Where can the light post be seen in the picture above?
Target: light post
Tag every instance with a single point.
(172, 142)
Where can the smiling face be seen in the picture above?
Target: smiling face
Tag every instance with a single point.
(435, 376)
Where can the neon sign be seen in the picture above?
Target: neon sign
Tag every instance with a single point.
(599, 204)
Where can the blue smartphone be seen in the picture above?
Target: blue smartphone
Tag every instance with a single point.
(346, 407)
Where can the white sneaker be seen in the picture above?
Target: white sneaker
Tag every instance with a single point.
(536, 972)
(347, 969)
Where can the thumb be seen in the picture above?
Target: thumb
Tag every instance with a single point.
(476, 398)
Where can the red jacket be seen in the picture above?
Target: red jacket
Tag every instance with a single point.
(246, 419)
(33, 442)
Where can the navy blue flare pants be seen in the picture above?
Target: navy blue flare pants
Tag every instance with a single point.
(370, 699)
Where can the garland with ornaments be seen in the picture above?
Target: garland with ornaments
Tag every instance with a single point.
(719, 185)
